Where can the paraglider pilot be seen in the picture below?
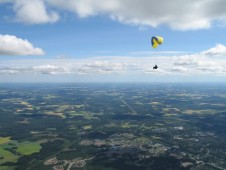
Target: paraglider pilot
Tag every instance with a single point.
(155, 67)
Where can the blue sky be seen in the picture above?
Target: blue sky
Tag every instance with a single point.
(91, 40)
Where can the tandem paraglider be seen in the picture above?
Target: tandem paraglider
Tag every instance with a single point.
(155, 42)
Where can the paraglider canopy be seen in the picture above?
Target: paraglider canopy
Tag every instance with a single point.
(156, 40)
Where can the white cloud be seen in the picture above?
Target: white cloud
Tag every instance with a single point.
(85, 67)
(219, 50)
(179, 14)
(210, 61)
(179, 69)
(11, 45)
(188, 60)
(190, 65)
(103, 67)
(34, 12)
(48, 69)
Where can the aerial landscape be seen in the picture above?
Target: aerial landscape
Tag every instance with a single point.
(112, 85)
(113, 126)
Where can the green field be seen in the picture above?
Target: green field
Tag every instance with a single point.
(4, 140)
(7, 156)
(86, 115)
(7, 167)
(10, 149)
(27, 148)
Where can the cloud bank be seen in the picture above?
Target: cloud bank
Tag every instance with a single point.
(179, 14)
(12, 45)
(202, 63)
